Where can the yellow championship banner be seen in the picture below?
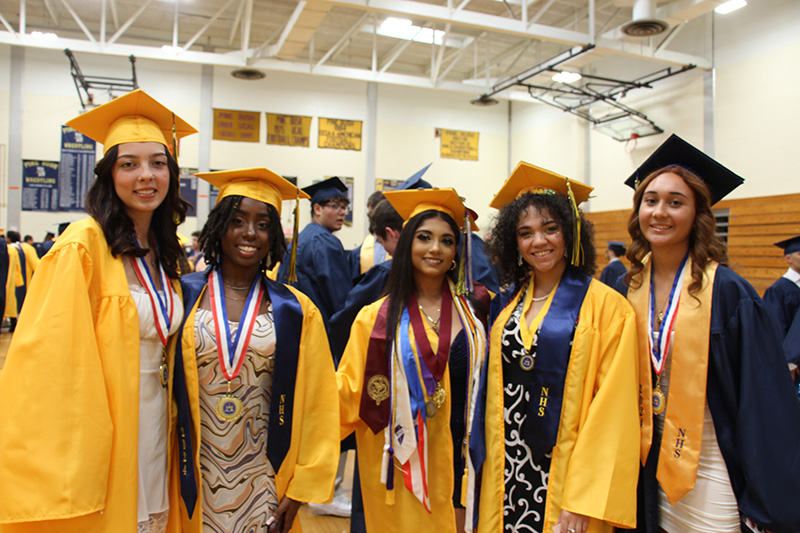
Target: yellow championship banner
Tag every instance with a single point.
(340, 134)
(288, 130)
(237, 126)
(459, 144)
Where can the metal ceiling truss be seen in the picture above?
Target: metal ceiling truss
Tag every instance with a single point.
(577, 99)
(451, 16)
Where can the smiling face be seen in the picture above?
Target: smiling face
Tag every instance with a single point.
(540, 240)
(246, 241)
(141, 177)
(667, 212)
(434, 248)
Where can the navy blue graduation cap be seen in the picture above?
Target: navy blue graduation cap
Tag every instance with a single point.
(616, 243)
(676, 151)
(416, 181)
(325, 189)
(790, 245)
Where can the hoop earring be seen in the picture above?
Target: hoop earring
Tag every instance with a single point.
(453, 266)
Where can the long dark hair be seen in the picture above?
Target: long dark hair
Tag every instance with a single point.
(502, 241)
(704, 245)
(210, 240)
(401, 277)
(103, 204)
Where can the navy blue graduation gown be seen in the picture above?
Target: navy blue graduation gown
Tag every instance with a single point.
(323, 273)
(482, 269)
(612, 272)
(783, 298)
(754, 408)
(354, 262)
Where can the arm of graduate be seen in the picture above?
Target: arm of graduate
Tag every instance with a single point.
(350, 375)
(755, 409)
(314, 446)
(331, 271)
(55, 424)
(368, 290)
(603, 469)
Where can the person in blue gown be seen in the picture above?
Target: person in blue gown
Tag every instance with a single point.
(783, 296)
(323, 272)
(615, 267)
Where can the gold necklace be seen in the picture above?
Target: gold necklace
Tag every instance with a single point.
(434, 323)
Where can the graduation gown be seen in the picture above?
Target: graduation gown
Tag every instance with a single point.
(303, 444)
(407, 513)
(595, 462)
(3, 273)
(323, 272)
(783, 298)
(365, 256)
(791, 344)
(13, 280)
(612, 272)
(754, 408)
(70, 396)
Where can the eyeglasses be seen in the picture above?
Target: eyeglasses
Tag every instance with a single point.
(339, 207)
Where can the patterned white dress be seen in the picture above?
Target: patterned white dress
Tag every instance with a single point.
(239, 492)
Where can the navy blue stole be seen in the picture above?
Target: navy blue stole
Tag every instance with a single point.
(543, 412)
(288, 316)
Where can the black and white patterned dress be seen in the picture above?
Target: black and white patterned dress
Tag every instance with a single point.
(525, 478)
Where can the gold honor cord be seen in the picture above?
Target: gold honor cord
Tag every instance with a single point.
(577, 251)
(292, 277)
(461, 286)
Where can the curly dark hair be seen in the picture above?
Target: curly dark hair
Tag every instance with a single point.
(210, 240)
(704, 245)
(103, 204)
(502, 241)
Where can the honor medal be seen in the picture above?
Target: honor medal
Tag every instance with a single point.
(229, 408)
(659, 401)
(526, 362)
(430, 408)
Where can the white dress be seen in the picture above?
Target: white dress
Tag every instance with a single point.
(710, 507)
(153, 500)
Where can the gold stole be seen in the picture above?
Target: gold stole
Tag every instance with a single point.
(679, 453)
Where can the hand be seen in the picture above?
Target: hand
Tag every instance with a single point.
(282, 520)
(573, 523)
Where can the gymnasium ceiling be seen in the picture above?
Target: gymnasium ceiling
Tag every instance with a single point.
(486, 42)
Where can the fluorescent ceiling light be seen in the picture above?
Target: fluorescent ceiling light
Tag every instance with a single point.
(44, 36)
(566, 77)
(405, 29)
(730, 6)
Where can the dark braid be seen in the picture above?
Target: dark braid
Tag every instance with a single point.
(210, 239)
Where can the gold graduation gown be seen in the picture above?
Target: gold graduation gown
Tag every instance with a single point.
(407, 513)
(595, 462)
(70, 396)
(13, 281)
(308, 471)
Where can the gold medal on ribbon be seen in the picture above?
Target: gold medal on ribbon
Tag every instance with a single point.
(430, 408)
(659, 401)
(439, 395)
(229, 408)
(526, 362)
(163, 371)
(378, 388)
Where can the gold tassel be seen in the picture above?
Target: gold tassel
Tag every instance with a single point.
(576, 234)
(464, 487)
(174, 139)
(292, 278)
(461, 286)
(390, 497)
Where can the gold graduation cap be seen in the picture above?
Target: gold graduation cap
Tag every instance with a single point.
(257, 183)
(133, 117)
(409, 203)
(265, 186)
(530, 178)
